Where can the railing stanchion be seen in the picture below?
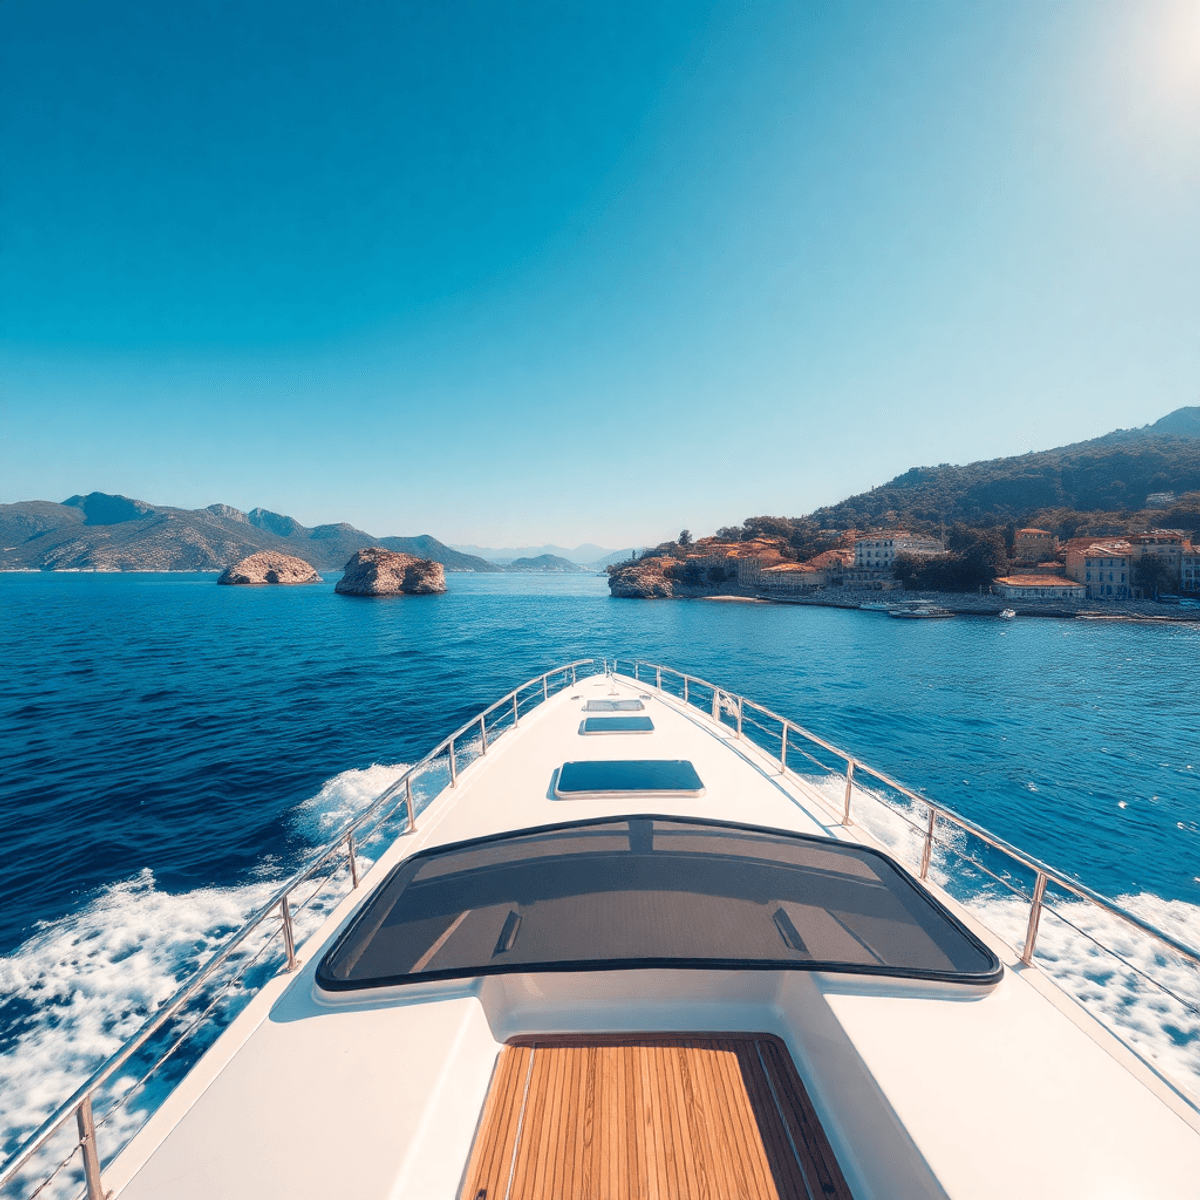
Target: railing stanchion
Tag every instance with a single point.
(408, 798)
(685, 689)
(927, 852)
(849, 788)
(1035, 916)
(289, 935)
(783, 751)
(87, 1145)
(636, 665)
(482, 733)
(716, 707)
(453, 766)
(739, 717)
(352, 859)
(516, 712)
(573, 679)
(545, 689)
(658, 678)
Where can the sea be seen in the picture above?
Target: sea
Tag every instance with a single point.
(171, 749)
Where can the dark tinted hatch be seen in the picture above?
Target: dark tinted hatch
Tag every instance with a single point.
(624, 776)
(651, 891)
(618, 725)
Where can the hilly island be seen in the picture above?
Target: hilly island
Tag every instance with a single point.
(1040, 528)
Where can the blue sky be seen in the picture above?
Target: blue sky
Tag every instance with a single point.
(549, 272)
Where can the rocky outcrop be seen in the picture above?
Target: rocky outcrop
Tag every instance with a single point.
(642, 580)
(268, 566)
(375, 571)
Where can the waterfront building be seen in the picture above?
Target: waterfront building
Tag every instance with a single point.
(791, 577)
(1190, 569)
(1108, 571)
(867, 580)
(877, 551)
(751, 558)
(1080, 550)
(1039, 587)
(824, 570)
(1034, 545)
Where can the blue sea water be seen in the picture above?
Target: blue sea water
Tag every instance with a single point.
(164, 742)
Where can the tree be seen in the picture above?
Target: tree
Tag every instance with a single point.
(685, 537)
(1152, 575)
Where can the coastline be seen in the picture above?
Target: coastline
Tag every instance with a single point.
(1133, 611)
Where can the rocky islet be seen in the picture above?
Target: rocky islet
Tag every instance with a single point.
(269, 566)
(375, 571)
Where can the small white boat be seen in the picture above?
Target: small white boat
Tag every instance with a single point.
(924, 612)
(1008, 614)
(676, 964)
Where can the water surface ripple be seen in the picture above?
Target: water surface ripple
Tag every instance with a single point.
(161, 722)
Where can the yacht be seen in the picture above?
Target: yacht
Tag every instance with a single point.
(923, 612)
(628, 934)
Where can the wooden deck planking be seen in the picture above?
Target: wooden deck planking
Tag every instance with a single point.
(650, 1117)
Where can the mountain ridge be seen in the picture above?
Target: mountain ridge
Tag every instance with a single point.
(1115, 472)
(103, 532)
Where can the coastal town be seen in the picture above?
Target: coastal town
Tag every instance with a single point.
(1157, 566)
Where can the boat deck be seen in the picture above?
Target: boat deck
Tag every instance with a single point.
(650, 1118)
(925, 1092)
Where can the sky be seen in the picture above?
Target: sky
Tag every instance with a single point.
(523, 273)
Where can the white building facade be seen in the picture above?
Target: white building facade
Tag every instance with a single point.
(1039, 587)
(877, 551)
(1107, 575)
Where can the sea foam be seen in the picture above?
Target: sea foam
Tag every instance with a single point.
(81, 986)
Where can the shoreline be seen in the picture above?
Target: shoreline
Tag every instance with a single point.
(1144, 612)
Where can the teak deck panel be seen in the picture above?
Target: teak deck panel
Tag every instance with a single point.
(649, 1117)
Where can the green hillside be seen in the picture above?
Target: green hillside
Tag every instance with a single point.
(1110, 475)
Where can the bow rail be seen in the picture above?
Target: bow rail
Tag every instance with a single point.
(446, 760)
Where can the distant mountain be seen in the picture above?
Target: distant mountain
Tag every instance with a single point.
(547, 562)
(99, 532)
(1113, 473)
(585, 555)
(425, 546)
(1183, 422)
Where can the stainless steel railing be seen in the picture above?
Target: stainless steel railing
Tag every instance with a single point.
(489, 724)
(724, 700)
(935, 819)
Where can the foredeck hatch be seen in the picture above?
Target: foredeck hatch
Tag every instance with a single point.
(618, 725)
(627, 776)
(651, 891)
(613, 706)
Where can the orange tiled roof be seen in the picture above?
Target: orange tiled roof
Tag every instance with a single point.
(1038, 581)
(832, 558)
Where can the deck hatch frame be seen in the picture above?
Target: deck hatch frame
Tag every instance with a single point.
(608, 778)
(599, 726)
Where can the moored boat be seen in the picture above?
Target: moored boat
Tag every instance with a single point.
(683, 958)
